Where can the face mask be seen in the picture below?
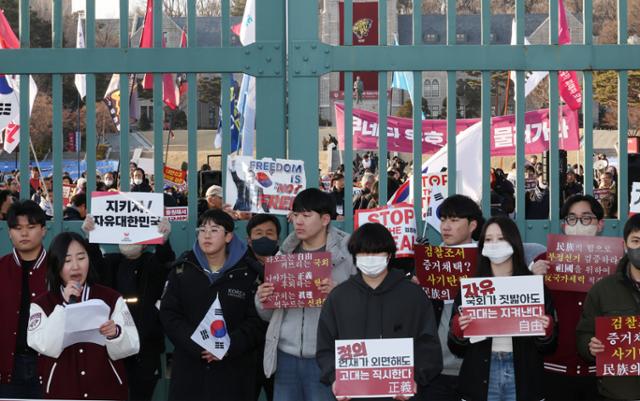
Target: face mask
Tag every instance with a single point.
(264, 246)
(497, 252)
(131, 251)
(580, 229)
(108, 182)
(137, 181)
(371, 266)
(634, 257)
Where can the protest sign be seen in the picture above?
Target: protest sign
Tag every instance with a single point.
(530, 184)
(577, 261)
(175, 178)
(263, 185)
(177, 213)
(621, 355)
(503, 306)
(439, 269)
(399, 219)
(434, 191)
(126, 217)
(374, 368)
(295, 279)
(634, 206)
(67, 192)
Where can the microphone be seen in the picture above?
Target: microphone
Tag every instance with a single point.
(73, 299)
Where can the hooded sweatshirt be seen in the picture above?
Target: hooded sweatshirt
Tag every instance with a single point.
(236, 250)
(397, 308)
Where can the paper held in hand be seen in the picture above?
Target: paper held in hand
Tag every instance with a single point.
(82, 322)
(212, 334)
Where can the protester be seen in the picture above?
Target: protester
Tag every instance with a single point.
(613, 295)
(217, 267)
(77, 209)
(361, 201)
(6, 200)
(22, 279)
(290, 347)
(110, 181)
(378, 303)
(571, 186)
(537, 200)
(337, 192)
(501, 368)
(567, 376)
(83, 370)
(139, 181)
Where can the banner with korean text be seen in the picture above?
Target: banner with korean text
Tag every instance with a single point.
(174, 177)
(577, 261)
(621, 355)
(503, 306)
(439, 269)
(400, 220)
(126, 217)
(296, 278)
(374, 368)
(434, 132)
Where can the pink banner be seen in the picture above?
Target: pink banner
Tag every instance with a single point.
(434, 132)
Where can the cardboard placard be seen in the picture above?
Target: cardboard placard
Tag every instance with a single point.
(400, 220)
(439, 269)
(621, 338)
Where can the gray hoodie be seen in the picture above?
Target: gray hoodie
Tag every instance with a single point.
(294, 331)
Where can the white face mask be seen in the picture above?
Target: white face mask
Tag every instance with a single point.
(371, 265)
(137, 181)
(580, 229)
(131, 251)
(108, 182)
(497, 252)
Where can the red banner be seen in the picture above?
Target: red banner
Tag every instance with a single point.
(364, 31)
(621, 355)
(434, 132)
(296, 278)
(439, 269)
(577, 262)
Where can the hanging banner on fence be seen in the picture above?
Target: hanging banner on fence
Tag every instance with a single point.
(126, 217)
(434, 132)
(295, 279)
(374, 368)
(399, 219)
(503, 306)
(263, 185)
(577, 262)
(177, 213)
(634, 206)
(439, 269)
(621, 355)
(175, 178)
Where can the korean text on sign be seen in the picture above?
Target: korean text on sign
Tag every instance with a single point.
(620, 336)
(295, 278)
(439, 269)
(374, 368)
(577, 262)
(126, 217)
(503, 306)
(399, 219)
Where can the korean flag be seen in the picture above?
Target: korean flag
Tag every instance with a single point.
(9, 102)
(212, 334)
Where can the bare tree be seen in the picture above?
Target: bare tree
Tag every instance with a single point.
(209, 8)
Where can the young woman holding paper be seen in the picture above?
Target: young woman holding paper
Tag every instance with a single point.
(73, 368)
(501, 368)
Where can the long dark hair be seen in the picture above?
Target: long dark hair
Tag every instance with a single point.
(510, 234)
(57, 255)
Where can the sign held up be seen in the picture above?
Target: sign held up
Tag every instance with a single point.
(621, 355)
(439, 269)
(399, 219)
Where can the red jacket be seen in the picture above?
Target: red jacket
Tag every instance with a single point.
(83, 370)
(10, 296)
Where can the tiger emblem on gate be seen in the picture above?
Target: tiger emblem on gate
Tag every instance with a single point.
(361, 28)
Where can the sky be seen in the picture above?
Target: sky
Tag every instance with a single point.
(106, 9)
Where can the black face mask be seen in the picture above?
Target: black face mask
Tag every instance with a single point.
(634, 257)
(264, 246)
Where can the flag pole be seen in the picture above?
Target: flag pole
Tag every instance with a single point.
(166, 152)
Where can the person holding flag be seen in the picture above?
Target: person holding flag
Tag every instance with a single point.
(208, 313)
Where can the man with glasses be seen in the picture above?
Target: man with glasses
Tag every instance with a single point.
(567, 375)
(217, 266)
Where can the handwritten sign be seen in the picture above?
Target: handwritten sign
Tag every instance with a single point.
(577, 262)
(620, 336)
(400, 220)
(503, 306)
(295, 278)
(439, 269)
(374, 368)
(126, 217)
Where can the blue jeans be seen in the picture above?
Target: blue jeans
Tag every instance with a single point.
(502, 380)
(298, 379)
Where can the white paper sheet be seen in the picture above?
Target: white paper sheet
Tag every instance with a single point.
(82, 321)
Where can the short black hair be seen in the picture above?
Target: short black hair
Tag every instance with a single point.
(315, 200)
(58, 253)
(262, 218)
(596, 207)
(28, 208)
(4, 194)
(631, 226)
(218, 217)
(371, 238)
(462, 207)
(511, 234)
(78, 200)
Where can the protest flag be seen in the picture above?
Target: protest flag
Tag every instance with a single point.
(80, 79)
(146, 40)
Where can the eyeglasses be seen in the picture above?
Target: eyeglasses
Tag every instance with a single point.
(585, 220)
(210, 230)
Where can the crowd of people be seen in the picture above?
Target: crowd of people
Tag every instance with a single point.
(289, 354)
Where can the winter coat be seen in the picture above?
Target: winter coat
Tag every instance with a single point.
(191, 290)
